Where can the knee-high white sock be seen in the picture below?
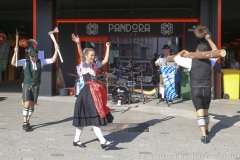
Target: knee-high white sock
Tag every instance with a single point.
(99, 134)
(25, 114)
(77, 134)
(207, 119)
(201, 121)
(30, 112)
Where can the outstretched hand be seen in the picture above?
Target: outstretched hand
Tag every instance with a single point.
(207, 36)
(108, 44)
(158, 64)
(75, 38)
(16, 49)
(186, 52)
(182, 53)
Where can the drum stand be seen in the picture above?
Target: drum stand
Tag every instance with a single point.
(107, 86)
(141, 84)
(144, 97)
(130, 98)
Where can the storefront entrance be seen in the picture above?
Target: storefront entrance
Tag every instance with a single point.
(134, 45)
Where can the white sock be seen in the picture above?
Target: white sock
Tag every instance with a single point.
(30, 112)
(99, 134)
(25, 111)
(77, 134)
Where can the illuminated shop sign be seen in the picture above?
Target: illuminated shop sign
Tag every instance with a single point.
(129, 29)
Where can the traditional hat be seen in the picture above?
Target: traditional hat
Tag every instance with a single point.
(166, 46)
(32, 52)
(30, 43)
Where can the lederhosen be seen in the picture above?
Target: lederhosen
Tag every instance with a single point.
(32, 80)
(200, 82)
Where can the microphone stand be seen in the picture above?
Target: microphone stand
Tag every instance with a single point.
(141, 70)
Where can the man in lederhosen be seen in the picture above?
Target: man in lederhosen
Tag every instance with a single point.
(32, 67)
(200, 82)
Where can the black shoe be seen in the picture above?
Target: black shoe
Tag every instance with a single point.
(79, 144)
(24, 126)
(28, 127)
(205, 139)
(106, 144)
(161, 100)
(207, 132)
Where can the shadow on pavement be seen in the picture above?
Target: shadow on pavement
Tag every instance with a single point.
(14, 86)
(133, 132)
(224, 123)
(3, 98)
(51, 123)
(125, 110)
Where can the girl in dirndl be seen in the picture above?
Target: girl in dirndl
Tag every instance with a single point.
(91, 104)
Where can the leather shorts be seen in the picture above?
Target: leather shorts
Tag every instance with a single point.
(201, 97)
(30, 92)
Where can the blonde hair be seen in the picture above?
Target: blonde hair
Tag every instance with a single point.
(87, 50)
(85, 53)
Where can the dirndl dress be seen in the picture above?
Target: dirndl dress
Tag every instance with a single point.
(91, 103)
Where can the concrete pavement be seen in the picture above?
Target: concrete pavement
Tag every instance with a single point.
(141, 131)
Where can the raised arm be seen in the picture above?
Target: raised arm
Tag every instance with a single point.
(210, 42)
(76, 39)
(105, 60)
(13, 61)
(54, 57)
(181, 61)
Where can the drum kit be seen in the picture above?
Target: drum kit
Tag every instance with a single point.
(122, 82)
(125, 83)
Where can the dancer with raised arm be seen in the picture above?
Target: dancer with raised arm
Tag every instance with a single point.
(200, 83)
(91, 104)
(32, 78)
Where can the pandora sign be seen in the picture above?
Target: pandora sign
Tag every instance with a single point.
(129, 27)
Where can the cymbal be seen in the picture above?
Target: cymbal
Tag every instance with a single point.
(131, 73)
(134, 72)
(109, 75)
(104, 83)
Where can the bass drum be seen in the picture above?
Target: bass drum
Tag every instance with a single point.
(120, 93)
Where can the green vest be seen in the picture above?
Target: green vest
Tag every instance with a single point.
(32, 77)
